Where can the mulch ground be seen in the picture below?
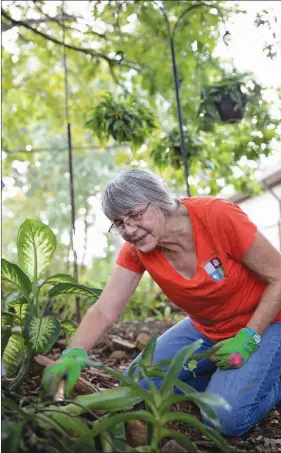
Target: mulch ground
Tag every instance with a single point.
(113, 350)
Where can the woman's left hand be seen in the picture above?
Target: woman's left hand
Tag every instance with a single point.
(234, 352)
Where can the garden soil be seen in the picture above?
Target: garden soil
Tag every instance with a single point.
(117, 349)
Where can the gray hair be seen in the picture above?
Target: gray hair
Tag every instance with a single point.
(134, 187)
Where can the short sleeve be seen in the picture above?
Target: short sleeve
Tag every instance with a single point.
(232, 228)
(128, 257)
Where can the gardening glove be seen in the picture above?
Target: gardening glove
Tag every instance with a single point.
(68, 368)
(235, 351)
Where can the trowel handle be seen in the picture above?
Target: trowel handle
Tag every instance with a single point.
(59, 395)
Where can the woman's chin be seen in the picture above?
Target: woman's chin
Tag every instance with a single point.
(146, 245)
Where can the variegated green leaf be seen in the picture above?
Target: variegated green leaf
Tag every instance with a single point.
(13, 298)
(7, 319)
(5, 335)
(42, 333)
(13, 274)
(13, 354)
(59, 278)
(74, 288)
(36, 245)
(69, 329)
(21, 311)
(16, 304)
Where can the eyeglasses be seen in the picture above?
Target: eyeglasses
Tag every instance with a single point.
(118, 227)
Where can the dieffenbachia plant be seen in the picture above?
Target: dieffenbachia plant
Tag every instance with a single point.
(36, 244)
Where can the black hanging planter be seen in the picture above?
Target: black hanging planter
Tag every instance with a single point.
(224, 101)
(231, 111)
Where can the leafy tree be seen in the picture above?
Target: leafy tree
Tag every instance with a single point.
(120, 48)
(131, 52)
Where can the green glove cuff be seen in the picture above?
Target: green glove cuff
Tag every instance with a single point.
(75, 352)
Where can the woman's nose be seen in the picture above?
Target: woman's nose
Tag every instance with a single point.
(130, 229)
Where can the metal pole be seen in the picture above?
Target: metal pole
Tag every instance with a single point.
(71, 175)
(176, 84)
(171, 36)
(179, 112)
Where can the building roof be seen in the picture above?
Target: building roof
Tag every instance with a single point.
(269, 177)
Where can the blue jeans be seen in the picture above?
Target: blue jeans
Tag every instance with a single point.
(252, 390)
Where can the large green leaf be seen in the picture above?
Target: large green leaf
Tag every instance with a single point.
(125, 380)
(5, 335)
(13, 274)
(54, 417)
(147, 354)
(176, 365)
(42, 333)
(203, 397)
(111, 400)
(36, 245)
(13, 354)
(21, 311)
(13, 298)
(7, 319)
(59, 278)
(74, 288)
(16, 304)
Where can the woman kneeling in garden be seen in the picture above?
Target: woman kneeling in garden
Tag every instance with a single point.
(210, 260)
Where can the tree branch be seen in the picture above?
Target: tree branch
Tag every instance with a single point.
(6, 27)
(129, 64)
(74, 19)
(55, 40)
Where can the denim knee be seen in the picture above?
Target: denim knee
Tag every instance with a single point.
(234, 422)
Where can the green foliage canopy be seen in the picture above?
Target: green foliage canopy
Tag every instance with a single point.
(120, 48)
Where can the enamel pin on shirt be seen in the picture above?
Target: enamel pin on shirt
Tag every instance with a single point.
(215, 269)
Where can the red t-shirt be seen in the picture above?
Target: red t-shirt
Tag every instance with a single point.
(223, 294)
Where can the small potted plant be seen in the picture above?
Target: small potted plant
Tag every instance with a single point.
(226, 100)
(125, 120)
(168, 149)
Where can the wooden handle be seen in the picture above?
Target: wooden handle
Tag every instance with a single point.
(59, 396)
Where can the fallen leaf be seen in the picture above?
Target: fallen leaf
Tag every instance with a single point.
(118, 342)
(142, 340)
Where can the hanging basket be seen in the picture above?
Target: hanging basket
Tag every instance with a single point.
(231, 111)
(126, 121)
(167, 150)
(224, 101)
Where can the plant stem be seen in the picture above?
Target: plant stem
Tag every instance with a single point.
(156, 437)
(35, 302)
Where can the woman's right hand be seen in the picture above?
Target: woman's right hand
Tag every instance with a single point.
(102, 315)
(67, 368)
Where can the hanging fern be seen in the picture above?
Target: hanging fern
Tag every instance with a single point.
(126, 120)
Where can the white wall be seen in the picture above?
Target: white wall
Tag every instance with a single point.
(264, 211)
